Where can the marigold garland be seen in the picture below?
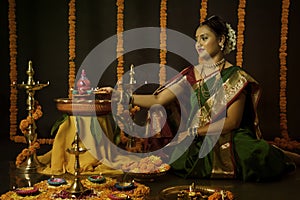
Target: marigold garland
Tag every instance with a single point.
(285, 142)
(72, 44)
(12, 26)
(203, 10)
(240, 32)
(36, 114)
(283, 68)
(24, 125)
(163, 42)
(203, 14)
(13, 66)
(217, 196)
(120, 48)
(26, 153)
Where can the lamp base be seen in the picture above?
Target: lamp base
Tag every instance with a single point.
(31, 165)
(76, 187)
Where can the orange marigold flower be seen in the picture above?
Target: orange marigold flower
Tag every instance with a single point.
(26, 152)
(123, 138)
(29, 119)
(229, 195)
(215, 196)
(36, 145)
(32, 150)
(24, 123)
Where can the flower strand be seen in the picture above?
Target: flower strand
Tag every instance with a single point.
(203, 10)
(203, 14)
(12, 25)
(240, 32)
(35, 115)
(72, 44)
(13, 79)
(26, 153)
(120, 48)
(285, 142)
(163, 42)
(25, 123)
(283, 69)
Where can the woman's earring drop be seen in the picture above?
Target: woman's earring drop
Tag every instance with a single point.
(222, 47)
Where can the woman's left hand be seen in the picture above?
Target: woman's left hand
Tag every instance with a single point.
(180, 138)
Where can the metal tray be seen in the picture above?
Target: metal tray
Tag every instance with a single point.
(146, 176)
(173, 193)
(85, 107)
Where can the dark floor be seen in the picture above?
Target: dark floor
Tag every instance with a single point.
(286, 188)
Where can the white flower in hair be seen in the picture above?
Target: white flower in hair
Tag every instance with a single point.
(231, 40)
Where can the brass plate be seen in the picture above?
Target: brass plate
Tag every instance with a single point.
(171, 193)
(84, 107)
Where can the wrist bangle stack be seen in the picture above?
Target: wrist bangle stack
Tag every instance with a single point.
(193, 131)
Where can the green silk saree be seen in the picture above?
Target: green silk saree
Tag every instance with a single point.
(242, 153)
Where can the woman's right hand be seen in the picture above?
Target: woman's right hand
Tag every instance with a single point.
(108, 90)
(117, 96)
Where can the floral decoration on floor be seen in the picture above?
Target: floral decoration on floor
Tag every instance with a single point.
(106, 190)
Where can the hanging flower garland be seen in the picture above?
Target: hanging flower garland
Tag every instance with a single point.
(25, 123)
(203, 10)
(26, 153)
(13, 78)
(120, 50)
(120, 71)
(163, 42)
(203, 14)
(283, 68)
(13, 66)
(285, 142)
(240, 32)
(72, 44)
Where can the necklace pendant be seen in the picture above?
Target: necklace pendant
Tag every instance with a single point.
(200, 118)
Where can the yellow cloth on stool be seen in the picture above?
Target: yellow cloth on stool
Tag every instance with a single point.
(59, 161)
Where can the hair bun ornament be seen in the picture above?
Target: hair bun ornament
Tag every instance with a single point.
(231, 40)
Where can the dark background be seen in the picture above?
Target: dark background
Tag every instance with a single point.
(42, 29)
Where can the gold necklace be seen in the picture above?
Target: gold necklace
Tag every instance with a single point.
(201, 81)
(214, 65)
(206, 93)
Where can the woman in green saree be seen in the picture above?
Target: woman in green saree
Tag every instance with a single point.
(222, 118)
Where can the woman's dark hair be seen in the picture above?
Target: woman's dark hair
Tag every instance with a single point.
(217, 25)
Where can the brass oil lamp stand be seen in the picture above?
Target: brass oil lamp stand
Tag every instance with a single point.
(76, 187)
(130, 89)
(31, 164)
